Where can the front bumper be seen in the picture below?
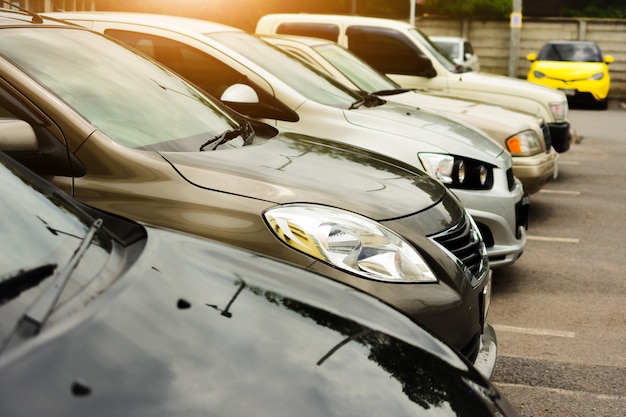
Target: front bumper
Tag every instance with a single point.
(534, 171)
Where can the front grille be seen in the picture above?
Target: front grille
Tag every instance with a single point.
(546, 136)
(510, 179)
(466, 244)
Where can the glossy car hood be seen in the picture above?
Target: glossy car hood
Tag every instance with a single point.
(293, 168)
(569, 71)
(229, 334)
(428, 127)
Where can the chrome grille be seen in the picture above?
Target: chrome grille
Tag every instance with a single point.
(465, 242)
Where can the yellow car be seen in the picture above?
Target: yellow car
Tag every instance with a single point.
(575, 67)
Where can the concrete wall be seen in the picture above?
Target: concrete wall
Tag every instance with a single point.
(491, 41)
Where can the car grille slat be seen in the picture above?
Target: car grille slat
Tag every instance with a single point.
(510, 179)
(465, 244)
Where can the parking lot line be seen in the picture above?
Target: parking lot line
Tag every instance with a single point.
(539, 332)
(554, 239)
(559, 192)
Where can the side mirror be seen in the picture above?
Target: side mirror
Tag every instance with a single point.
(240, 93)
(608, 59)
(425, 67)
(531, 57)
(17, 135)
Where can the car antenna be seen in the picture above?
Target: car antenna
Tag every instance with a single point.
(36, 17)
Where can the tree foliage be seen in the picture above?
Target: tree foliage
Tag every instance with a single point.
(469, 8)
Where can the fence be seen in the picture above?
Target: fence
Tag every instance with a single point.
(491, 41)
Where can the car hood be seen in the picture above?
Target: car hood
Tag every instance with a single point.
(292, 168)
(425, 126)
(228, 333)
(476, 81)
(569, 71)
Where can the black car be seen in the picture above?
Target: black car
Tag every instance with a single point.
(102, 316)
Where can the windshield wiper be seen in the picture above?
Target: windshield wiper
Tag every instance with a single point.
(16, 282)
(35, 317)
(391, 92)
(367, 100)
(220, 139)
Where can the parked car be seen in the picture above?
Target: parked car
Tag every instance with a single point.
(577, 68)
(404, 53)
(102, 316)
(525, 137)
(120, 132)
(283, 91)
(459, 49)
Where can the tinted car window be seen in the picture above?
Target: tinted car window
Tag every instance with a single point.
(138, 100)
(314, 30)
(577, 52)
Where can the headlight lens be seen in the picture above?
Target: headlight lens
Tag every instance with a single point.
(349, 242)
(559, 111)
(458, 172)
(524, 143)
(597, 76)
(538, 74)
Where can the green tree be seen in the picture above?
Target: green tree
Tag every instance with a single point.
(469, 8)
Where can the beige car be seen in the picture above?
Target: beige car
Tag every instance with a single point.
(526, 137)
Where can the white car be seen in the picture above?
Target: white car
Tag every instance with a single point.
(262, 81)
(523, 135)
(459, 49)
(404, 53)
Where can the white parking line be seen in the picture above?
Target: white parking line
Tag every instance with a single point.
(554, 239)
(559, 192)
(569, 162)
(539, 332)
(559, 391)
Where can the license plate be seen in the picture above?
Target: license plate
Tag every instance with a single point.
(568, 91)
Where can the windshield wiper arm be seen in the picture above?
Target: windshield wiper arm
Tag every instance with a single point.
(368, 100)
(35, 317)
(16, 282)
(219, 139)
(391, 92)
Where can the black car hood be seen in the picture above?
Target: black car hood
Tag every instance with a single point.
(229, 333)
(295, 168)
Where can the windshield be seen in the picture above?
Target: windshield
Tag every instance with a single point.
(570, 51)
(356, 70)
(42, 234)
(438, 52)
(296, 74)
(131, 103)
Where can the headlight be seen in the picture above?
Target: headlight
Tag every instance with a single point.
(349, 242)
(524, 143)
(538, 74)
(458, 172)
(598, 76)
(559, 110)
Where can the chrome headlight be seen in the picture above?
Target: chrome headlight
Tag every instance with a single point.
(559, 110)
(349, 242)
(524, 143)
(597, 76)
(458, 172)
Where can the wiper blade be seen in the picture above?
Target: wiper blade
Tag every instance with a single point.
(220, 139)
(391, 92)
(368, 100)
(35, 317)
(16, 282)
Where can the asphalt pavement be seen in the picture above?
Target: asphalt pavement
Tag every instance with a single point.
(560, 310)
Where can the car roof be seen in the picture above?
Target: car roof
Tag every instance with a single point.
(10, 17)
(337, 19)
(174, 23)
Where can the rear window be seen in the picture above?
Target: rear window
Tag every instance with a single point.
(314, 30)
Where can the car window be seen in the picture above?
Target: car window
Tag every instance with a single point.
(297, 74)
(576, 52)
(467, 48)
(44, 230)
(132, 105)
(315, 30)
(356, 70)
